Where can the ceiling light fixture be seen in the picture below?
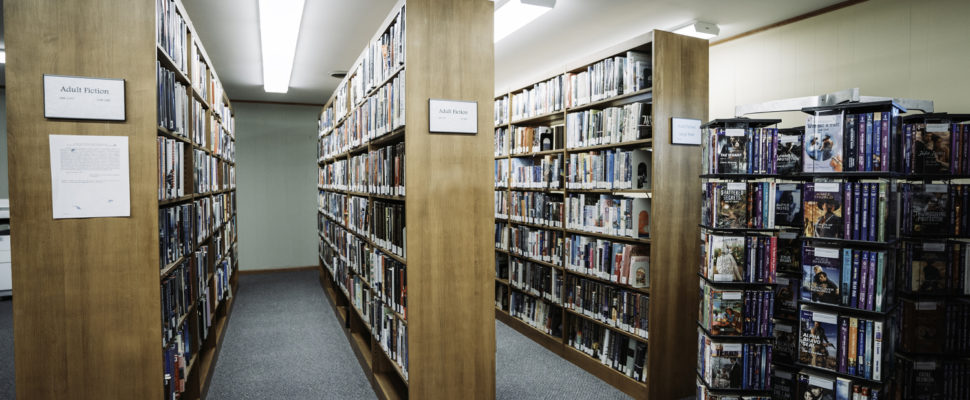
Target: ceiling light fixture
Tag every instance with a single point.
(703, 30)
(3, 56)
(514, 14)
(279, 28)
(338, 74)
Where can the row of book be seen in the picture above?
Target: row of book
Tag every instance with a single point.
(176, 299)
(378, 115)
(501, 204)
(334, 175)
(171, 168)
(357, 217)
(611, 125)
(341, 104)
(609, 215)
(176, 237)
(204, 221)
(935, 267)
(358, 172)
(736, 312)
(536, 279)
(535, 208)
(849, 210)
(332, 204)
(200, 72)
(205, 172)
(502, 294)
(536, 173)
(326, 121)
(171, 32)
(386, 167)
(940, 148)
(803, 384)
(934, 326)
(620, 308)
(199, 120)
(626, 264)
(501, 175)
(748, 150)
(501, 236)
(621, 352)
(732, 365)
(542, 98)
(389, 279)
(538, 244)
(607, 78)
(608, 169)
(501, 141)
(845, 344)
(502, 111)
(176, 357)
(739, 258)
(223, 143)
(847, 277)
(536, 312)
(845, 142)
(383, 55)
(935, 210)
(228, 176)
(742, 205)
(532, 139)
(925, 379)
(391, 333)
(388, 228)
(173, 102)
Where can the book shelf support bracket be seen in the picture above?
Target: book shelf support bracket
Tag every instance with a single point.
(828, 99)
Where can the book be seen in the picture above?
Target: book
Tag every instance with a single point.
(823, 144)
(823, 210)
(732, 154)
(931, 148)
(789, 153)
(818, 336)
(732, 205)
(726, 312)
(788, 205)
(814, 387)
(821, 274)
(727, 258)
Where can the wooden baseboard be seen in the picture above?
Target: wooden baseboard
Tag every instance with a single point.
(271, 270)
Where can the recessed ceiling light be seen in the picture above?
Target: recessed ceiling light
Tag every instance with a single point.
(3, 56)
(279, 28)
(703, 30)
(338, 74)
(514, 14)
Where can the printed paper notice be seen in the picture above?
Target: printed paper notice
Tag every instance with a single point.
(89, 176)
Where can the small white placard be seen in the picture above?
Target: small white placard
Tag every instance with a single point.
(89, 176)
(452, 116)
(685, 131)
(737, 186)
(734, 132)
(827, 187)
(826, 252)
(78, 97)
(937, 127)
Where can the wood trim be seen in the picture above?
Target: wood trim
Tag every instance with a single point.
(282, 103)
(792, 20)
(272, 270)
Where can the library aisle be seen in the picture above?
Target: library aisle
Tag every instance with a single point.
(303, 354)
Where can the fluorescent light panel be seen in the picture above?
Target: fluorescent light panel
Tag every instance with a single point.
(703, 30)
(279, 28)
(515, 14)
(3, 56)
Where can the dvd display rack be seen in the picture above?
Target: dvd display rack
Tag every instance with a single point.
(143, 299)
(401, 208)
(739, 259)
(595, 212)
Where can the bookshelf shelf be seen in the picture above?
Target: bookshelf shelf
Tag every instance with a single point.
(163, 89)
(433, 205)
(603, 324)
(534, 261)
(672, 195)
(640, 95)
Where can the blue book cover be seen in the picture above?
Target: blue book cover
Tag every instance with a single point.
(873, 190)
(856, 211)
(863, 279)
(845, 286)
(861, 350)
(869, 140)
(818, 339)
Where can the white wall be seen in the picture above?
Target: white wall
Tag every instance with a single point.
(276, 179)
(892, 48)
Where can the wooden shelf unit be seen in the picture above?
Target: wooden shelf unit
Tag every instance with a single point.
(680, 89)
(450, 329)
(89, 300)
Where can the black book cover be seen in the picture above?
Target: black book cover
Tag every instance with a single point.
(929, 207)
(788, 204)
(931, 148)
(789, 155)
(732, 156)
(817, 344)
(823, 209)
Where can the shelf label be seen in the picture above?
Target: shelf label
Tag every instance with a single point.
(685, 131)
(79, 97)
(452, 116)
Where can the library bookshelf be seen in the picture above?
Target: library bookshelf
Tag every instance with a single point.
(678, 69)
(96, 297)
(412, 297)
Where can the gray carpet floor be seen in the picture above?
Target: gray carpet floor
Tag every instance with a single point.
(284, 342)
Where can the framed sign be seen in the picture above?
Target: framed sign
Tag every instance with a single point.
(685, 131)
(79, 97)
(453, 116)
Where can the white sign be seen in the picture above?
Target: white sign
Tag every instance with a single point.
(78, 97)
(89, 176)
(452, 116)
(685, 131)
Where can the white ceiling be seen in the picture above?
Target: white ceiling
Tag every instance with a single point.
(334, 32)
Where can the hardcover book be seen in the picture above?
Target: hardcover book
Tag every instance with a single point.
(823, 144)
(818, 339)
(821, 274)
(639, 267)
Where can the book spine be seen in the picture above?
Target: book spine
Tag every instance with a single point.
(880, 279)
(856, 215)
(873, 200)
(869, 346)
(861, 349)
(847, 209)
(877, 142)
(885, 157)
(843, 344)
(861, 133)
(851, 145)
(853, 343)
(846, 276)
(869, 142)
(870, 286)
(877, 352)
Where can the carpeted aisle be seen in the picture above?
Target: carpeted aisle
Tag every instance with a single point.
(284, 342)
